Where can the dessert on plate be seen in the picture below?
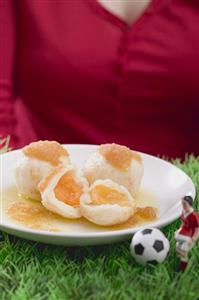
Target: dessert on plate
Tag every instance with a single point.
(115, 162)
(102, 192)
(61, 190)
(107, 203)
(38, 159)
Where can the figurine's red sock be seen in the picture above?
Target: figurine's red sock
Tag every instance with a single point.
(183, 265)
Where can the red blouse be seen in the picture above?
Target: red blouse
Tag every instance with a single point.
(72, 71)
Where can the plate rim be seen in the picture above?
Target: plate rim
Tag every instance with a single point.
(122, 232)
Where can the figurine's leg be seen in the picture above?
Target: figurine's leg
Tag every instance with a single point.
(183, 260)
(183, 256)
(181, 253)
(179, 250)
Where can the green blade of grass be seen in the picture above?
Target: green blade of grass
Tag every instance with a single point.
(4, 145)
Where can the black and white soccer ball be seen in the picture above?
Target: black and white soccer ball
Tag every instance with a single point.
(149, 245)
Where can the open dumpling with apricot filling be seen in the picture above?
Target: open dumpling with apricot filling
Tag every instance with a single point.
(115, 162)
(107, 203)
(38, 159)
(61, 190)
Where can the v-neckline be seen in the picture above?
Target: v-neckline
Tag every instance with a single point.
(119, 21)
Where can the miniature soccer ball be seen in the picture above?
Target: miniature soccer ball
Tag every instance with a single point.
(149, 245)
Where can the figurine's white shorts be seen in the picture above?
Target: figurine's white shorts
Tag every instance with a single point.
(183, 242)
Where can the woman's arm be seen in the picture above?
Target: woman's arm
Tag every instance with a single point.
(7, 66)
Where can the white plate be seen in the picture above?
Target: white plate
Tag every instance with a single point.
(167, 183)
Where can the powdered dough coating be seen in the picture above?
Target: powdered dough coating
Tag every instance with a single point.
(118, 163)
(38, 159)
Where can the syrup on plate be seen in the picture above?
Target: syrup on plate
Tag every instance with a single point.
(28, 213)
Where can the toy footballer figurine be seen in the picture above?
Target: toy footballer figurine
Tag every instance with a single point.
(188, 233)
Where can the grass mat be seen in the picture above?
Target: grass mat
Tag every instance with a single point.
(32, 271)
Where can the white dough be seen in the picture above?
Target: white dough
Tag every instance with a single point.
(28, 173)
(96, 167)
(107, 214)
(53, 204)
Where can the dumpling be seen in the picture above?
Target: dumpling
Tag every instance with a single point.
(107, 203)
(61, 190)
(115, 162)
(39, 158)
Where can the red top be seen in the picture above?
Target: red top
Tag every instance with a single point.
(190, 223)
(74, 72)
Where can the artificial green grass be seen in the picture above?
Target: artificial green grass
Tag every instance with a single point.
(32, 271)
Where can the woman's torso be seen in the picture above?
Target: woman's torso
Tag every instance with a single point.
(84, 76)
